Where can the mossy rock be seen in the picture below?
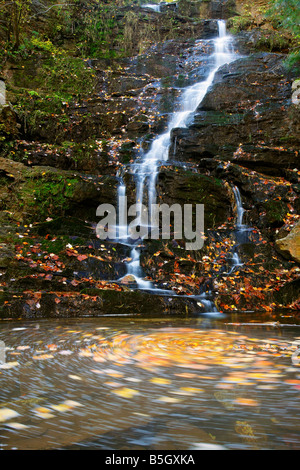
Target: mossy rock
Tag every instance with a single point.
(37, 193)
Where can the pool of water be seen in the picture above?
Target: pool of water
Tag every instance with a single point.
(138, 383)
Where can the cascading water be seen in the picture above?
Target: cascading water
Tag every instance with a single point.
(239, 208)
(146, 171)
(240, 231)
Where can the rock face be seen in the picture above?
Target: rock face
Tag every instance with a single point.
(208, 9)
(247, 117)
(248, 123)
(39, 192)
(179, 186)
(290, 245)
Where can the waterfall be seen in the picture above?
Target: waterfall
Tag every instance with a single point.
(241, 229)
(146, 171)
(239, 208)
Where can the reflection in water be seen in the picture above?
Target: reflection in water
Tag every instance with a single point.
(134, 383)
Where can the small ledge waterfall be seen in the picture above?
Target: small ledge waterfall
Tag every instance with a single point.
(152, 6)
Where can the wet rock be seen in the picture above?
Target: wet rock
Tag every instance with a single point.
(180, 186)
(138, 126)
(247, 115)
(39, 192)
(128, 280)
(164, 6)
(90, 303)
(223, 9)
(266, 199)
(260, 38)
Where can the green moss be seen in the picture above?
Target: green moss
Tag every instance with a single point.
(57, 245)
(240, 23)
(46, 194)
(273, 41)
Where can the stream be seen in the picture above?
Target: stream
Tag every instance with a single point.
(150, 383)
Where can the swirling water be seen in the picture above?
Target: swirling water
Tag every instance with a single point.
(140, 383)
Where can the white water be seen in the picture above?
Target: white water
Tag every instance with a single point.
(152, 6)
(146, 172)
(239, 208)
(240, 227)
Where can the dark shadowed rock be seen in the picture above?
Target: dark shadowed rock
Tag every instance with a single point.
(179, 186)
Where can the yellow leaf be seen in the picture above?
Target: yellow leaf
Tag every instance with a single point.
(66, 405)
(41, 409)
(9, 365)
(160, 380)
(61, 407)
(112, 384)
(7, 413)
(191, 389)
(14, 425)
(126, 392)
(43, 356)
(169, 399)
(246, 401)
(44, 413)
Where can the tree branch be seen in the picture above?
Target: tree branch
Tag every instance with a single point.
(57, 5)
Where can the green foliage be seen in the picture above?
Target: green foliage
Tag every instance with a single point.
(43, 44)
(285, 15)
(97, 30)
(15, 14)
(293, 61)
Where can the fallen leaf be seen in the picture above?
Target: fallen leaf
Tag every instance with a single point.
(169, 399)
(126, 392)
(14, 425)
(159, 380)
(7, 413)
(9, 365)
(43, 356)
(246, 401)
